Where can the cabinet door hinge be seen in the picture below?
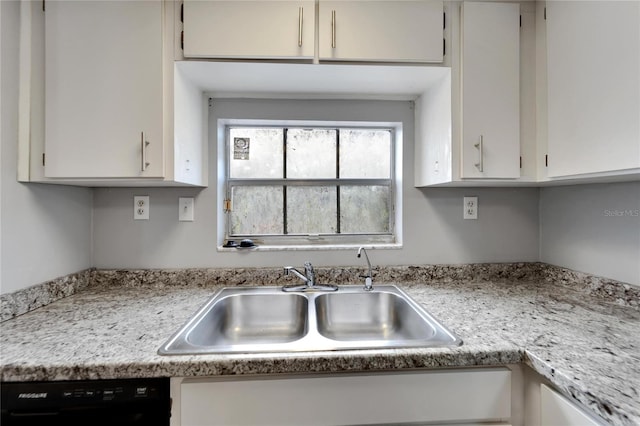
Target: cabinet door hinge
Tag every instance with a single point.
(182, 40)
(43, 8)
(226, 206)
(546, 161)
(444, 47)
(521, 21)
(545, 13)
(521, 161)
(43, 159)
(444, 20)
(182, 13)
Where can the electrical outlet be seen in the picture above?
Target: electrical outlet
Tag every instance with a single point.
(470, 208)
(185, 209)
(141, 207)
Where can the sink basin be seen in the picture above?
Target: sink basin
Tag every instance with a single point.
(241, 319)
(370, 316)
(266, 319)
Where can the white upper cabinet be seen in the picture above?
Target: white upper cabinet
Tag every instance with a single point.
(593, 71)
(349, 30)
(104, 80)
(490, 75)
(249, 29)
(385, 31)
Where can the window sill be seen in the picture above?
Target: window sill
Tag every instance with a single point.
(310, 247)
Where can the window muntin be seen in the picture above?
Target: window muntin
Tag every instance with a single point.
(289, 183)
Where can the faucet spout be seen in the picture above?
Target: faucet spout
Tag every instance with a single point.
(291, 270)
(309, 279)
(368, 279)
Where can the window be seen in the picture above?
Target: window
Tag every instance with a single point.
(310, 185)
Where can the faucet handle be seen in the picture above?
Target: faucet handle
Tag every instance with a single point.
(309, 273)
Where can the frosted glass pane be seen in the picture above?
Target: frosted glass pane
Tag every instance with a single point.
(312, 210)
(364, 209)
(256, 210)
(365, 153)
(256, 153)
(311, 153)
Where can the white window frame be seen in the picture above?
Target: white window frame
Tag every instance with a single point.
(314, 241)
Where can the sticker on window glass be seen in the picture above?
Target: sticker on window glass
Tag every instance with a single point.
(240, 148)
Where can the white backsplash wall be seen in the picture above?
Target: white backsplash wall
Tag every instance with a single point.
(46, 229)
(593, 229)
(434, 231)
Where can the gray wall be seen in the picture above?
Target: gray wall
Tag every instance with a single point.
(506, 231)
(46, 230)
(593, 229)
(434, 231)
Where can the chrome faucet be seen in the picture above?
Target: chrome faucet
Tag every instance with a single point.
(368, 279)
(309, 276)
(309, 279)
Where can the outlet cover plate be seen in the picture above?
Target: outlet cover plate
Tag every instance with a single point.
(470, 208)
(185, 209)
(141, 207)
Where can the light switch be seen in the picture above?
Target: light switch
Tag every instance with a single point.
(185, 209)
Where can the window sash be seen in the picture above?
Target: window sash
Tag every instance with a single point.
(330, 183)
(296, 238)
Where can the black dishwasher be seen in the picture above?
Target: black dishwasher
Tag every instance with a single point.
(126, 402)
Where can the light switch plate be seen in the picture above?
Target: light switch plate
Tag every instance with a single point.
(185, 209)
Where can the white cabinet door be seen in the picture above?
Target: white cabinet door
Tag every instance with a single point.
(593, 71)
(557, 410)
(249, 29)
(490, 90)
(434, 397)
(103, 89)
(392, 31)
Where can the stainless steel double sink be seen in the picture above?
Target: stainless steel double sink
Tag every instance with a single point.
(266, 319)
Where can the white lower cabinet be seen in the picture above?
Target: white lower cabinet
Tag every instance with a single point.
(555, 409)
(460, 396)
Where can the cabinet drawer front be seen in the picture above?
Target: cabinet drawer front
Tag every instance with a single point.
(434, 396)
(249, 29)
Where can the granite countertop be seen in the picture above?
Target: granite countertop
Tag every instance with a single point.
(588, 347)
